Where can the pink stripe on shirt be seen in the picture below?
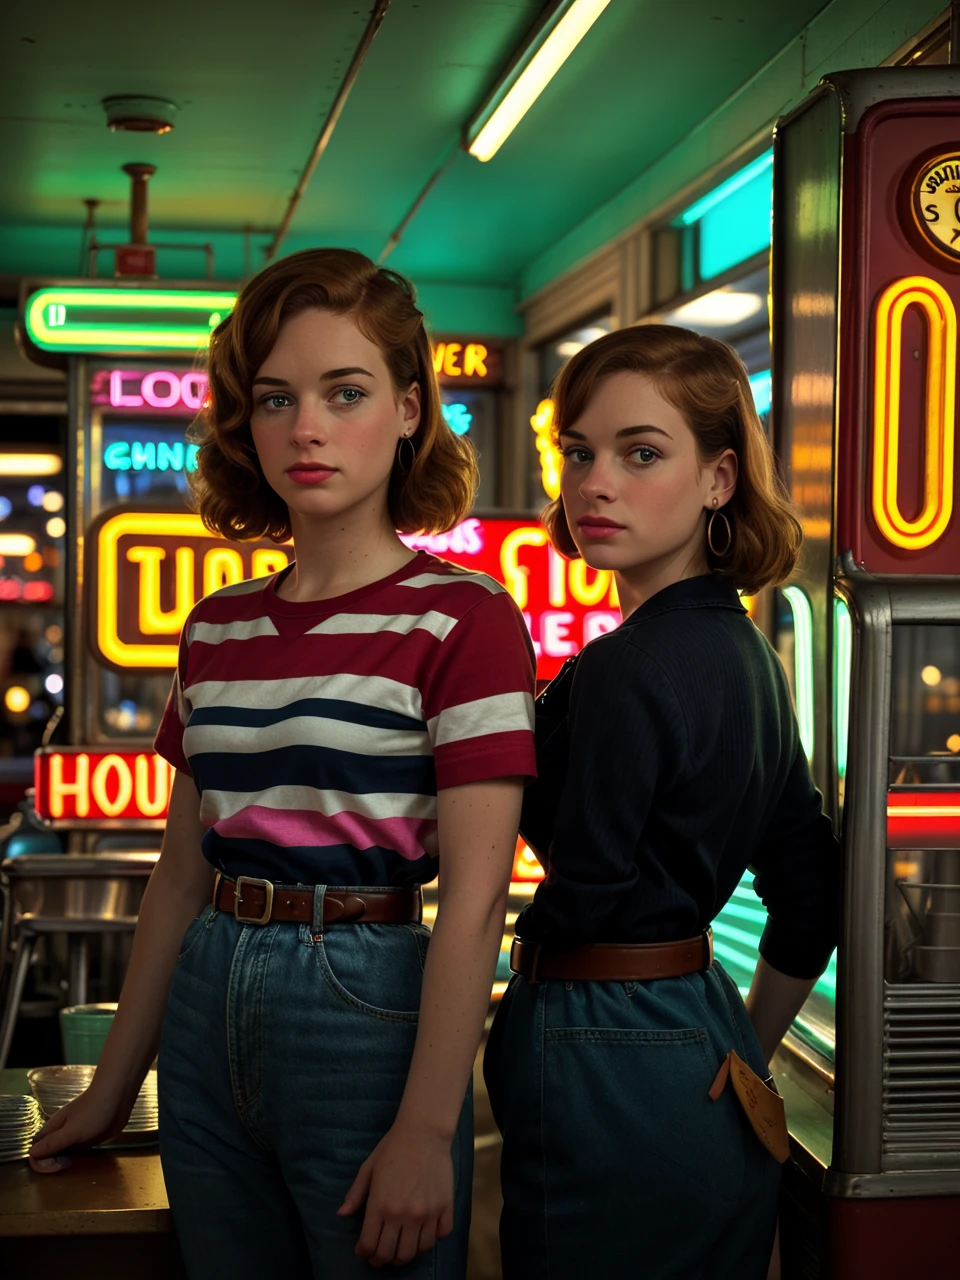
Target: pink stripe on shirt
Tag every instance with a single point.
(410, 837)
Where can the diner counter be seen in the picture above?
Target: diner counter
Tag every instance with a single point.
(104, 1210)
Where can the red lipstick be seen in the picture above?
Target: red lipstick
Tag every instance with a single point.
(307, 473)
(599, 527)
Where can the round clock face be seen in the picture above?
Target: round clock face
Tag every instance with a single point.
(935, 204)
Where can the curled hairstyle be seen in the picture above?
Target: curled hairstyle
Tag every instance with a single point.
(705, 380)
(229, 487)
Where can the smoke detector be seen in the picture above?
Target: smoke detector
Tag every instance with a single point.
(130, 113)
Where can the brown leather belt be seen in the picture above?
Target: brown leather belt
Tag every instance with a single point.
(613, 961)
(254, 901)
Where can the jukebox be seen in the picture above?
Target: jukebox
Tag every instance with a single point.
(866, 290)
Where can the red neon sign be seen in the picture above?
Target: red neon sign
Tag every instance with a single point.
(923, 819)
(77, 785)
(565, 604)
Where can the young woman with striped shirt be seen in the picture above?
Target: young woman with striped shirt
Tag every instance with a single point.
(339, 729)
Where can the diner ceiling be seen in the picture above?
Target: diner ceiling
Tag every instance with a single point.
(253, 84)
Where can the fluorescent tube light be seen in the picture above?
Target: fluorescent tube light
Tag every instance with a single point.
(530, 75)
(736, 180)
(721, 307)
(30, 464)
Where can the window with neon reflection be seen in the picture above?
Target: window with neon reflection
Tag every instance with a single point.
(922, 918)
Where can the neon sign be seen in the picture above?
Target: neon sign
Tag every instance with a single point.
(159, 390)
(551, 459)
(802, 664)
(941, 321)
(150, 568)
(923, 819)
(150, 455)
(80, 785)
(457, 417)
(123, 320)
(460, 360)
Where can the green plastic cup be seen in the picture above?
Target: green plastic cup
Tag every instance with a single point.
(84, 1028)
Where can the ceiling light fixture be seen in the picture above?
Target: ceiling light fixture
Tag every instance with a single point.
(134, 113)
(721, 307)
(726, 189)
(546, 50)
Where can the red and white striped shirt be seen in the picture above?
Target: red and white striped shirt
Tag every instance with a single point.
(319, 732)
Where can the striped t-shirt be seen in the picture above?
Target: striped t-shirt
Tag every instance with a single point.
(318, 732)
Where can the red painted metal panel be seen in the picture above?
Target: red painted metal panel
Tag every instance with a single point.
(880, 245)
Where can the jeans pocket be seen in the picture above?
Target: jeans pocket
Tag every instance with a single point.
(196, 930)
(376, 969)
(634, 1094)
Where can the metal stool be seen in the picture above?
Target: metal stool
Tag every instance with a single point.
(76, 894)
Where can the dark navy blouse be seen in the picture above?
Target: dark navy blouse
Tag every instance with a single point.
(669, 762)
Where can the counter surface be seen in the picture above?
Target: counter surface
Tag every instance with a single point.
(99, 1195)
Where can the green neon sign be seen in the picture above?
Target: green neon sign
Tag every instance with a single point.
(802, 664)
(842, 664)
(123, 321)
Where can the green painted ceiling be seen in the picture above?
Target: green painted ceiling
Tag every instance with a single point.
(254, 82)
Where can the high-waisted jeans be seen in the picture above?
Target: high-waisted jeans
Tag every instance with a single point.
(615, 1162)
(282, 1064)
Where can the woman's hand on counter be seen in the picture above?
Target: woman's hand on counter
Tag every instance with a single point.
(89, 1119)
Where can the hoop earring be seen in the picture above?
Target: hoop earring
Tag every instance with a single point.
(405, 440)
(729, 543)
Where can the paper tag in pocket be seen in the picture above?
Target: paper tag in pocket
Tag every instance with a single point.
(762, 1105)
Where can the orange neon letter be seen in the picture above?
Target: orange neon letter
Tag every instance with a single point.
(941, 319)
(156, 806)
(222, 567)
(450, 365)
(265, 561)
(79, 788)
(98, 785)
(515, 574)
(475, 360)
(154, 620)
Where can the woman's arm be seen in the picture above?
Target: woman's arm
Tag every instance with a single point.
(180, 886)
(407, 1181)
(798, 877)
(773, 1002)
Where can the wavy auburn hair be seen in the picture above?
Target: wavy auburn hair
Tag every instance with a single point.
(705, 380)
(229, 488)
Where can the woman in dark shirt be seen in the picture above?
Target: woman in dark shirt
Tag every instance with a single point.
(669, 761)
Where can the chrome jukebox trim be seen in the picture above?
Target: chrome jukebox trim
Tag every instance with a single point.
(859, 1078)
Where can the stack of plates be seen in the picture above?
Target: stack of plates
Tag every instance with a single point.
(20, 1119)
(54, 1087)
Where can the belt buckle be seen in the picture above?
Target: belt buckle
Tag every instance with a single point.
(266, 886)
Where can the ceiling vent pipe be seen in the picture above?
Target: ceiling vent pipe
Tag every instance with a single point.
(140, 174)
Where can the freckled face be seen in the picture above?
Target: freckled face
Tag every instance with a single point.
(326, 417)
(633, 486)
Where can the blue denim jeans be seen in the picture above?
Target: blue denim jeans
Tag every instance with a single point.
(615, 1161)
(282, 1063)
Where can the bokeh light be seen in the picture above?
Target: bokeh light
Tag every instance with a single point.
(16, 699)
